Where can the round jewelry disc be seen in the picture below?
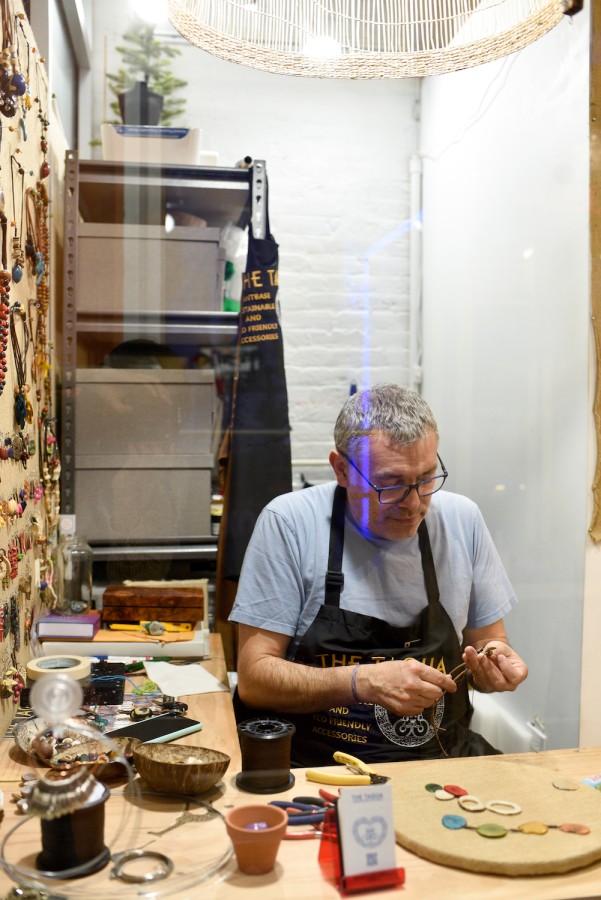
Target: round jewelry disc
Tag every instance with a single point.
(471, 803)
(533, 828)
(574, 828)
(455, 790)
(565, 784)
(491, 830)
(454, 822)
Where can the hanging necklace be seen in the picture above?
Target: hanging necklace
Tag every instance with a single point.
(23, 408)
(8, 63)
(18, 255)
(45, 166)
(37, 250)
(5, 278)
(50, 471)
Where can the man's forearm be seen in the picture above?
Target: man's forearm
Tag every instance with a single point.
(284, 686)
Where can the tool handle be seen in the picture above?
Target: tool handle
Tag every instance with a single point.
(354, 764)
(342, 779)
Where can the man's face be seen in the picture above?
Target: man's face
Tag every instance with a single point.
(387, 464)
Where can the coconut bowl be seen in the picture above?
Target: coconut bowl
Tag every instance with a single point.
(178, 768)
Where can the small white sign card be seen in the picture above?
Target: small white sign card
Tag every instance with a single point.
(366, 829)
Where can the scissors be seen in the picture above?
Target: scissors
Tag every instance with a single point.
(359, 773)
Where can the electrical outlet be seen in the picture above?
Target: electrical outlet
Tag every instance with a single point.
(538, 741)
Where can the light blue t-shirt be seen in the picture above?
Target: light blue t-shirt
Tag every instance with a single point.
(282, 583)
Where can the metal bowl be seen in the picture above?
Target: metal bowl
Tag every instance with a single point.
(179, 768)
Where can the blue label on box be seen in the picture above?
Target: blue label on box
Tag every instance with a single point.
(155, 131)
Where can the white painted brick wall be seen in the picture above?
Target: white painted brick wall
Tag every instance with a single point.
(337, 156)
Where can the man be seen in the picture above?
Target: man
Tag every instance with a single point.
(361, 660)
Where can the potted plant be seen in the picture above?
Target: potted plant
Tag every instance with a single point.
(145, 87)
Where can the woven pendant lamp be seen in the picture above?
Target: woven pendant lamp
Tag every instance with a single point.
(365, 38)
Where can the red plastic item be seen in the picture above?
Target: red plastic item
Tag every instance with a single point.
(330, 861)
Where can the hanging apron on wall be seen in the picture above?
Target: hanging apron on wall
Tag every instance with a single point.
(340, 637)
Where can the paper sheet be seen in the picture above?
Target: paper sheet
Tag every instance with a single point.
(177, 681)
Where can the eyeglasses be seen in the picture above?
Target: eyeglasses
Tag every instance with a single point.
(399, 492)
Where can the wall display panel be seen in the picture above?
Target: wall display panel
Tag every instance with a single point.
(29, 456)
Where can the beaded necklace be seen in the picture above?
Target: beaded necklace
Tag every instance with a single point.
(50, 471)
(23, 407)
(37, 250)
(18, 255)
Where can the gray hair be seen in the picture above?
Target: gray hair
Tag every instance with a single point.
(402, 414)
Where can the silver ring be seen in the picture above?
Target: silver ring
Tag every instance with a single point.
(121, 859)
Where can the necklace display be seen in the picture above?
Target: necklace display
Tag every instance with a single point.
(29, 500)
(12, 83)
(51, 473)
(37, 250)
(18, 255)
(23, 407)
(45, 165)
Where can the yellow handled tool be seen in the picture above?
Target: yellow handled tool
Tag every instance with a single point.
(158, 627)
(360, 773)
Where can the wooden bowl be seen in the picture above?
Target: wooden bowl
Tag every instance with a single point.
(178, 768)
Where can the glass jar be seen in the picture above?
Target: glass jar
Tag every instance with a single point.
(74, 583)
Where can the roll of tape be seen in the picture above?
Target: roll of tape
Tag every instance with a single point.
(78, 667)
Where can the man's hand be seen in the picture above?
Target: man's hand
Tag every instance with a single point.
(266, 680)
(404, 688)
(495, 667)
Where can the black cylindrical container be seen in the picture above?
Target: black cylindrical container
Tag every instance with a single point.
(75, 840)
(265, 746)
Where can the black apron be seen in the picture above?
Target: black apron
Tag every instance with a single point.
(339, 637)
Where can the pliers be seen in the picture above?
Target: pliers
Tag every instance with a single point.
(361, 773)
(300, 813)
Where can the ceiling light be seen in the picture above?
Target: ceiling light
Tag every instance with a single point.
(394, 39)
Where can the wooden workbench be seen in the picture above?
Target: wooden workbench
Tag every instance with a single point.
(297, 874)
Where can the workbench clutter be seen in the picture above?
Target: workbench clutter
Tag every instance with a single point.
(77, 837)
(29, 455)
(150, 618)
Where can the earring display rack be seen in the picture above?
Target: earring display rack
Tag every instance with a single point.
(29, 453)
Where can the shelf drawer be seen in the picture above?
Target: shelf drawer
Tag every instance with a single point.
(141, 269)
(147, 414)
(132, 505)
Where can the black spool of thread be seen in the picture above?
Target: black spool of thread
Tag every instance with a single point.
(265, 746)
(75, 841)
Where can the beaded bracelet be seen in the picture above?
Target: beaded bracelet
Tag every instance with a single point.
(354, 683)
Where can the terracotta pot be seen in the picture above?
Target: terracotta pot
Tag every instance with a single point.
(256, 832)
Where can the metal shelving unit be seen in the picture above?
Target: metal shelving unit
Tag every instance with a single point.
(106, 194)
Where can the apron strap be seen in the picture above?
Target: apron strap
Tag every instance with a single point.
(429, 570)
(335, 575)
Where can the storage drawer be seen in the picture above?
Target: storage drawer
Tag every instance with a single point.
(144, 413)
(136, 505)
(141, 269)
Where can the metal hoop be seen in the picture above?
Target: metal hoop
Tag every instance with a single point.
(121, 859)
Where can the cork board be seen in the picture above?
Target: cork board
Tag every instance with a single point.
(418, 815)
(29, 456)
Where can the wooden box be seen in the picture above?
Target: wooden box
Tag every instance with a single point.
(123, 603)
